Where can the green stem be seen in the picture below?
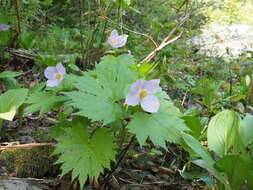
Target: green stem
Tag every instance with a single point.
(1, 54)
(122, 137)
(250, 94)
(17, 16)
(80, 7)
(119, 9)
(1, 124)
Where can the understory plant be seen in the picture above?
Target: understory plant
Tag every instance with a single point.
(110, 105)
(230, 161)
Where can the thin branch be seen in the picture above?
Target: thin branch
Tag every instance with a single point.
(187, 16)
(154, 52)
(25, 54)
(166, 40)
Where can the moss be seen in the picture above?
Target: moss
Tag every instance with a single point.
(30, 162)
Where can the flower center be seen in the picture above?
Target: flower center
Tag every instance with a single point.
(143, 94)
(114, 43)
(58, 76)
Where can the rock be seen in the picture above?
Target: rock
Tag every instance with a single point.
(12, 184)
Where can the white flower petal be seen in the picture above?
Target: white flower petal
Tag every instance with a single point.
(151, 86)
(4, 27)
(53, 82)
(114, 46)
(150, 104)
(122, 39)
(50, 72)
(60, 69)
(113, 37)
(116, 40)
(132, 99)
(137, 86)
(114, 33)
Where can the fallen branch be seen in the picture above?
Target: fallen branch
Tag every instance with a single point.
(21, 53)
(25, 145)
(161, 46)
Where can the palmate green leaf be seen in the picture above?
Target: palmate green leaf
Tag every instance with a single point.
(101, 88)
(43, 102)
(83, 155)
(165, 125)
(115, 73)
(95, 107)
(10, 101)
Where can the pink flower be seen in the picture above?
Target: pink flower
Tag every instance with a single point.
(116, 40)
(142, 92)
(4, 27)
(54, 75)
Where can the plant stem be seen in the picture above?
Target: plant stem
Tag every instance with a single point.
(1, 54)
(80, 6)
(121, 157)
(250, 94)
(122, 136)
(87, 59)
(1, 124)
(17, 16)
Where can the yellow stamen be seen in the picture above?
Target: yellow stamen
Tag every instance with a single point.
(143, 94)
(114, 43)
(58, 76)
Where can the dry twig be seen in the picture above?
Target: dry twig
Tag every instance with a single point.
(167, 40)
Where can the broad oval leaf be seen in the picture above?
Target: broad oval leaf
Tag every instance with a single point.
(246, 130)
(210, 168)
(9, 74)
(198, 149)
(10, 101)
(223, 132)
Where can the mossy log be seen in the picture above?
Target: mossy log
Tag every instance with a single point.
(35, 162)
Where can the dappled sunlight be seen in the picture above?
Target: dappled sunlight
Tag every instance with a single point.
(229, 31)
